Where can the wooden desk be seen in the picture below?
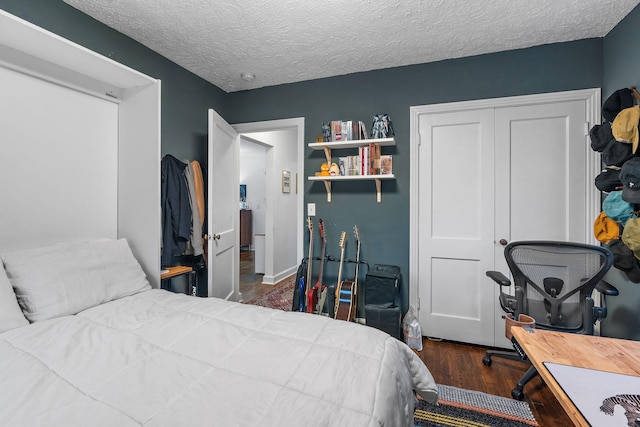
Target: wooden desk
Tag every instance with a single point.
(179, 270)
(583, 351)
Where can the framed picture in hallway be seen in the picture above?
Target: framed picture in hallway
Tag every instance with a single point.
(286, 181)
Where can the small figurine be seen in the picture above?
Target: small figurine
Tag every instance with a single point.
(334, 170)
(326, 132)
(324, 170)
(381, 127)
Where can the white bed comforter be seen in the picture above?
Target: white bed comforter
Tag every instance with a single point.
(163, 359)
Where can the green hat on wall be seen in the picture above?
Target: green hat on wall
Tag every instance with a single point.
(631, 236)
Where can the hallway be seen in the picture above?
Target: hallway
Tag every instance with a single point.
(251, 283)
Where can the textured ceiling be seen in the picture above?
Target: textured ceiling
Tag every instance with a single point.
(284, 41)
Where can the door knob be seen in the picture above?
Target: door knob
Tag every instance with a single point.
(503, 242)
(216, 237)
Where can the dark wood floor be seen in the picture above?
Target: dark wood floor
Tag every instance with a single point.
(455, 364)
(251, 283)
(460, 365)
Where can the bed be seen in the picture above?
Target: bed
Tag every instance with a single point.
(84, 340)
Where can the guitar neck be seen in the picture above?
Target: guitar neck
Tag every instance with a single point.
(340, 269)
(310, 259)
(357, 263)
(320, 272)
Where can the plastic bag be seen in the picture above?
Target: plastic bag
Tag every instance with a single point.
(411, 330)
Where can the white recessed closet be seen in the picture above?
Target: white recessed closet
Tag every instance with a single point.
(80, 146)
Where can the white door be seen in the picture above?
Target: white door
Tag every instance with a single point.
(486, 177)
(223, 209)
(456, 225)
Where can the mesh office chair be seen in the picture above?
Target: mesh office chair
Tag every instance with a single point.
(554, 282)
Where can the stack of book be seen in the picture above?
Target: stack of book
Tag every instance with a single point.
(369, 161)
(347, 130)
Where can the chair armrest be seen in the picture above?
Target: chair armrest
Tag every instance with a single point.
(499, 278)
(607, 288)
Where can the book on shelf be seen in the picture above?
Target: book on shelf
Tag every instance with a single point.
(352, 165)
(343, 165)
(362, 130)
(348, 130)
(386, 164)
(336, 130)
(368, 159)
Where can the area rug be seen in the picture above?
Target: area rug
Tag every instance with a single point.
(458, 407)
(280, 297)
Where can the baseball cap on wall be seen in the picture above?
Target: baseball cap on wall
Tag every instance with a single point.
(625, 126)
(609, 180)
(631, 236)
(617, 209)
(616, 153)
(624, 260)
(616, 102)
(600, 136)
(605, 229)
(630, 178)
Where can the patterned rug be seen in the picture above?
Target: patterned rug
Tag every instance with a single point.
(459, 407)
(280, 297)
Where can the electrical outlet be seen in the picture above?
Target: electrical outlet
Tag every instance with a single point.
(311, 209)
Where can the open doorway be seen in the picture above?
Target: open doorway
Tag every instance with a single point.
(276, 243)
(253, 203)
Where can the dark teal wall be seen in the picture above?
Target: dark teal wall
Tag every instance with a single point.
(185, 97)
(622, 55)
(622, 69)
(385, 226)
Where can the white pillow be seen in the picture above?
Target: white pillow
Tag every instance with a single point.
(67, 278)
(11, 316)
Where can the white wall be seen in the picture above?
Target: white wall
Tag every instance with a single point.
(281, 238)
(253, 170)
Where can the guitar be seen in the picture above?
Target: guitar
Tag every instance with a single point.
(354, 299)
(343, 237)
(309, 264)
(310, 295)
(320, 290)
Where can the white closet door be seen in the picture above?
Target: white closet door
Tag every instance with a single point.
(541, 169)
(485, 176)
(456, 225)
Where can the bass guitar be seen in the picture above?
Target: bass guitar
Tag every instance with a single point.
(354, 298)
(309, 264)
(343, 303)
(319, 291)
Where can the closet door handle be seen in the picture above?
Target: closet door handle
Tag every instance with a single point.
(216, 237)
(503, 242)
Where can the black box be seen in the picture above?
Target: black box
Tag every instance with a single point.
(387, 319)
(382, 286)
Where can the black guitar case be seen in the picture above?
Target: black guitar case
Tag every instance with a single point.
(301, 274)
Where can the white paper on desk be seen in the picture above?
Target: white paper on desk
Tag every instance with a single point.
(588, 389)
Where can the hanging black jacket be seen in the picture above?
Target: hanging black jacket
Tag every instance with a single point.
(176, 209)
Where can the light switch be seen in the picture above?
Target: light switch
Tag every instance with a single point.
(311, 209)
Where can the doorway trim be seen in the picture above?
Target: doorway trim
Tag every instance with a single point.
(592, 99)
(277, 125)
